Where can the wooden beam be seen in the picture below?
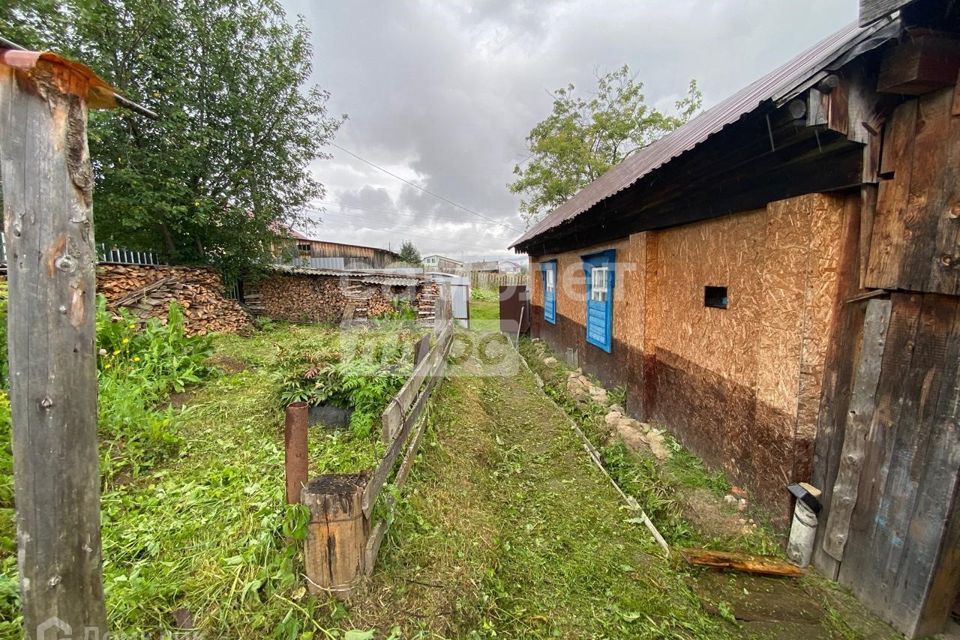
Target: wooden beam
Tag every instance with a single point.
(862, 404)
(47, 192)
(924, 62)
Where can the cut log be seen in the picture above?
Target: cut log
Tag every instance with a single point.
(335, 550)
(731, 560)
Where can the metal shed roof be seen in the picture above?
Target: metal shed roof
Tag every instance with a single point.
(777, 87)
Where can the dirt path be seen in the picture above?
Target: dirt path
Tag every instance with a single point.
(508, 531)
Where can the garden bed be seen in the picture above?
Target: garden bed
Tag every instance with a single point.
(195, 531)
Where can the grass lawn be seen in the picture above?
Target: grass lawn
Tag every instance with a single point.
(504, 530)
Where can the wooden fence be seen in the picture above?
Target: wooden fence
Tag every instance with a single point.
(360, 533)
(487, 280)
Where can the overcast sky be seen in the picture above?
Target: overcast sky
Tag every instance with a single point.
(443, 94)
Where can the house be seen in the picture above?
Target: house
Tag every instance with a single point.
(778, 283)
(442, 263)
(321, 254)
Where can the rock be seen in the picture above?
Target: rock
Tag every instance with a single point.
(655, 441)
(612, 418)
(597, 394)
(737, 491)
(742, 506)
(575, 388)
(617, 408)
(731, 500)
(550, 361)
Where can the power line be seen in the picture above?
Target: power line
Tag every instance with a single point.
(402, 231)
(427, 191)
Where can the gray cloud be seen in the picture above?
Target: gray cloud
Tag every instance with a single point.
(443, 93)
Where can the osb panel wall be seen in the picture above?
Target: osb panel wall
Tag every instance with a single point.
(302, 298)
(740, 386)
(916, 231)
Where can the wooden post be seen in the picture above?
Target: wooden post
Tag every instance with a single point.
(47, 198)
(334, 553)
(295, 449)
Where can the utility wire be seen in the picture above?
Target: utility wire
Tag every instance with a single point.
(347, 208)
(427, 191)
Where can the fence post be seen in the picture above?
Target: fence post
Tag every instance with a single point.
(47, 190)
(295, 449)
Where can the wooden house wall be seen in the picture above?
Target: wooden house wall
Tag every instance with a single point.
(739, 386)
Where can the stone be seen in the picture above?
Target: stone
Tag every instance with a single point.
(742, 506)
(657, 445)
(617, 408)
(612, 418)
(550, 361)
(731, 500)
(597, 394)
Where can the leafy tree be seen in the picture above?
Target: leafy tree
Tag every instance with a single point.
(409, 254)
(227, 162)
(585, 136)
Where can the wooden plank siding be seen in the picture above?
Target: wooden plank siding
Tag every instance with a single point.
(915, 232)
(898, 548)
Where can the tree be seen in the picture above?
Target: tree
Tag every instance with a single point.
(409, 254)
(583, 137)
(227, 162)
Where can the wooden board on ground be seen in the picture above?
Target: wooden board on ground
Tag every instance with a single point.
(746, 563)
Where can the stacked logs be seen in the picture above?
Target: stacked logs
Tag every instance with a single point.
(323, 299)
(147, 291)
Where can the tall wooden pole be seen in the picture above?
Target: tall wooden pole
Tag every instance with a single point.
(47, 197)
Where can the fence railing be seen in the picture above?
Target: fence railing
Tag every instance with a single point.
(106, 254)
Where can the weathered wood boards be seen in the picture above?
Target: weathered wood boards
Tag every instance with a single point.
(893, 517)
(915, 231)
(47, 192)
(862, 406)
(924, 62)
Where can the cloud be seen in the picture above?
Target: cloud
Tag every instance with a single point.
(443, 93)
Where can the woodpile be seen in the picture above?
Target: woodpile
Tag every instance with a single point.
(328, 299)
(147, 291)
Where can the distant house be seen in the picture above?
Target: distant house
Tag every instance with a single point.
(321, 254)
(441, 263)
(509, 266)
(777, 282)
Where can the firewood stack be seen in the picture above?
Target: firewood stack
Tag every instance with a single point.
(147, 291)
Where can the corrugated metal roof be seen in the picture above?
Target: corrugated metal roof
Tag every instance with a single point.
(367, 277)
(778, 86)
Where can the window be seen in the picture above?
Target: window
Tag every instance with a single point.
(549, 269)
(715, 297)
(303, 248)
(598, 284)
(599, 271)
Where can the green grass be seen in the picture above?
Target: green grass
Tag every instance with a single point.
(207, 531)
(484, 310)
(507, 530)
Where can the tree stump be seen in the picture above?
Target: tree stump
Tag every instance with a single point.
(334, 553)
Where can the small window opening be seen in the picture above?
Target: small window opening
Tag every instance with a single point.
(551, 280)
(598, 284)
(715, 297)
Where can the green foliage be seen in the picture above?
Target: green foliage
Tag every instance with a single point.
(4, 363)
(410, 254)
(226, 163)
(361, 373)
(584, 136)
(138, 366)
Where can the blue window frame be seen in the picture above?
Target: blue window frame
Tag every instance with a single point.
(599, 270)
(549, 271)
